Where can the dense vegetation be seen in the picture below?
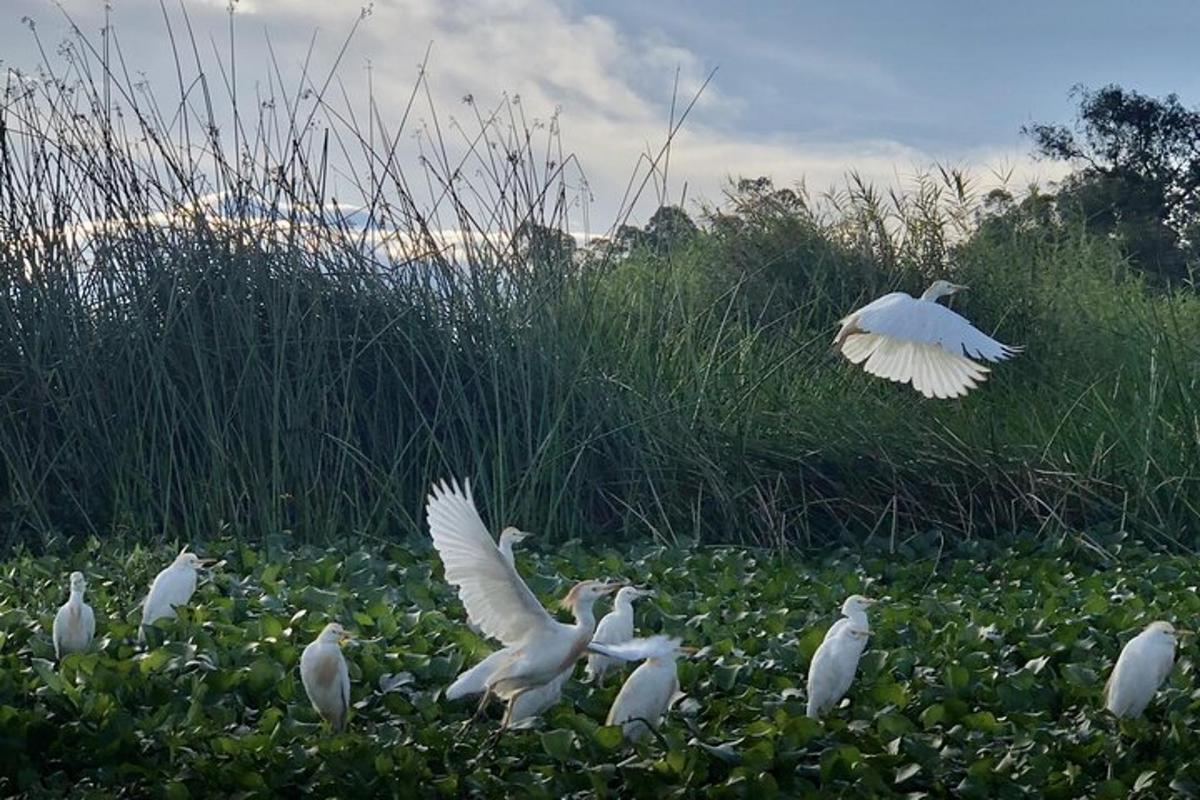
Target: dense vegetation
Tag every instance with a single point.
(983, 678)
(198, 334)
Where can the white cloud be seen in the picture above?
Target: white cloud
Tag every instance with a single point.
(612, 86)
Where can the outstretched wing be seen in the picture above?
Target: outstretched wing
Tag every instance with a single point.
(659, 646)
(920, 342)
(496, 598)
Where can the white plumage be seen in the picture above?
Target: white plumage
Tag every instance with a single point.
(833, 666)
(171, 588)
(74, 624)
(508, 537)
(326, 676)
(1141, 668)
(854, 611)
(915, 340)
(499, 602)
(650, 689)
(614, 628)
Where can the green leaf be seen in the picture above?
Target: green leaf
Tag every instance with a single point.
(906, 772)
(608, 736)
(558, 744)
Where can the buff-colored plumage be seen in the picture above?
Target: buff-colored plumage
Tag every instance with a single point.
(326, 676)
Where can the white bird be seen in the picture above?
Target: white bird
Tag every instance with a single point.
(650, 689)
(917, 341)
(1141, 668)
(508, 537)
(833, 666)
(530, 704)
(615, 627)
(499, 602)
(171, 588)
(854, 611)
(326, 677)
(74, 624)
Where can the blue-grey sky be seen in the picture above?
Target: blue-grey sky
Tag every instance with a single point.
(803, 90)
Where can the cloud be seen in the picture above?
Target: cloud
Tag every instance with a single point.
(611, 88)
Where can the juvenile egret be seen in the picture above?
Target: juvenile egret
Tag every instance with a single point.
(833, 666)
(172, 587)
(326, 677)
(499, 602)
(74, 624)
(1141, 668)
(915, 340)
(650, 689)
(854, 610)
(615, 627)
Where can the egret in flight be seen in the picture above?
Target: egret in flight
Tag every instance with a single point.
(1141, 668)
(74, 624)
(326, 677)
(614, 628)
(917, 341)
(171, 588)
(833, 666)
(499, 602)
(650, 689)
(508, 537)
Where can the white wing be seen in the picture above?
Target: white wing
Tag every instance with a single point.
(474, 680)
(60, 625)
(906, 340)
(496, 598)
(89, 623)
(172, 587)
(832, 671)
(659, 646)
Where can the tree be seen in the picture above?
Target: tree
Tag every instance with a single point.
(1138, 173)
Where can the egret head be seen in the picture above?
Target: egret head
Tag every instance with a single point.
(1167, 630)
(514, 535)
(78, 584)
(630, 593)
(856, 604)
(193, 561)
(941, 288)
(333, 633)
(585, 593)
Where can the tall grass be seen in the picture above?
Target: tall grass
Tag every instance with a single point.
(198, 332)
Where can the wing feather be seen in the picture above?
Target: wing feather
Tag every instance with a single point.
(659, 646)
(494, 595)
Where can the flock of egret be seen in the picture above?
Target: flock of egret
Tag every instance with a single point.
(538, 653)
(898, 337)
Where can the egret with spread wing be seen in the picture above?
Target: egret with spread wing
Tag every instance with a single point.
(650, 689)
(499, 602)
(915, 340)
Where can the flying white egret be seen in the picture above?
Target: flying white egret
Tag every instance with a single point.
(615, 627)
(171, 588)
(326, 677)
(833, 666)
(650, 689)
(854, 611)
(74, 624)
(915, 340)
(1141, 668)
(499, 602)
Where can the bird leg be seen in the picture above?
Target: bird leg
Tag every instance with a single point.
(508, 712)
(483, 704)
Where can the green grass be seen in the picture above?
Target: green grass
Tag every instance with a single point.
(196, 336)
(982, 678)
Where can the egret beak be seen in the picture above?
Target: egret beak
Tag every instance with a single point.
(958, 287)
(208, 562)
(688, 650)
(609, 588)
(870, 601)
(1179, 632)
(345, 638)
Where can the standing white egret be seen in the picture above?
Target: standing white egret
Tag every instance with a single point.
(833, 666)
(615, 627)
(508, 537)
(171, 588)
(915, 340)
(326, 677)
(74, 624)
(499, 602)
(1141, 668)
(854, 611)
(650, 689)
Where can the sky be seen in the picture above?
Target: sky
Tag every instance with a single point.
(803, 91)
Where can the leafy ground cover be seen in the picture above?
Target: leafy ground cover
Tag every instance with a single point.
(982, 678)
